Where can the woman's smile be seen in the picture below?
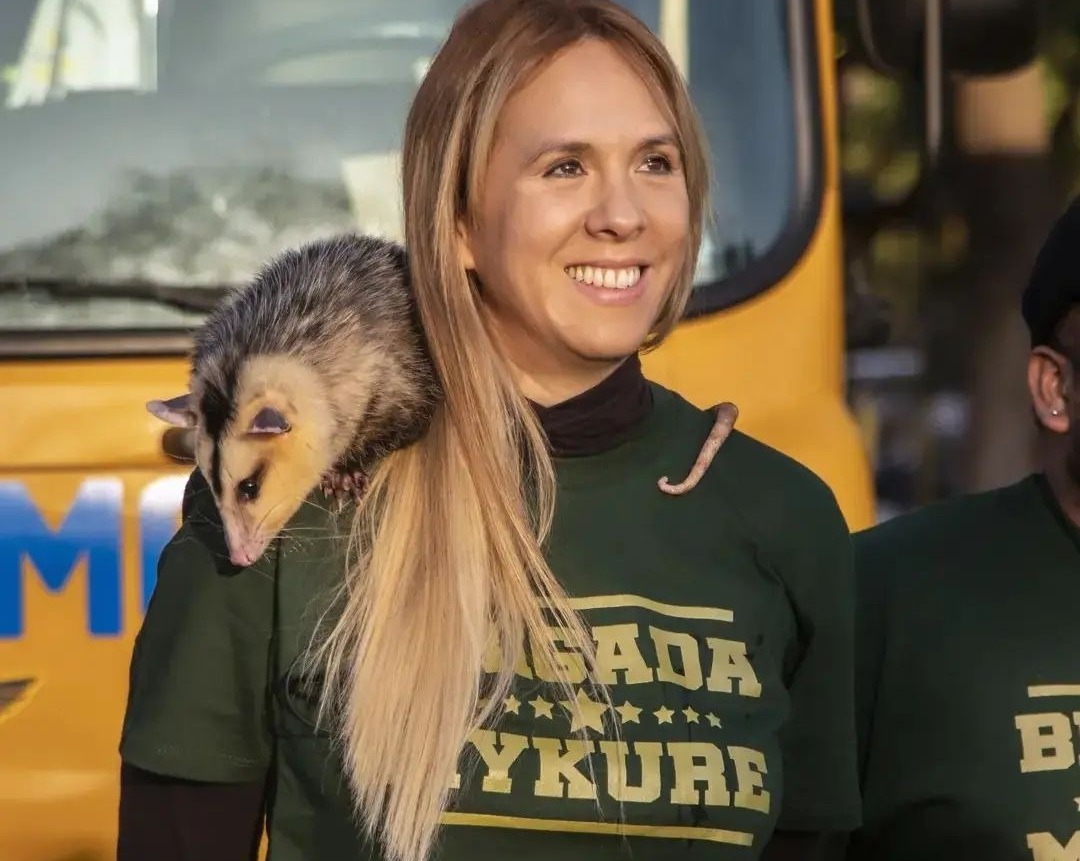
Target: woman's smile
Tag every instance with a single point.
(610, 285)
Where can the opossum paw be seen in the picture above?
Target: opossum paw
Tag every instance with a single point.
(344, 484)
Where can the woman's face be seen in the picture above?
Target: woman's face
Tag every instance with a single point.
(583, 223)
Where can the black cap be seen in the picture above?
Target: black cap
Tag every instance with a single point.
(1054, 285)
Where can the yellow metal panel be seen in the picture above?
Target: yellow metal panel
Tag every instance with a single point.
(73, 413)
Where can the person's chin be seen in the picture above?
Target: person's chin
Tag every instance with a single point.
(610, 347)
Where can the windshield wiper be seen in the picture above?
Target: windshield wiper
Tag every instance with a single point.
(198, 299)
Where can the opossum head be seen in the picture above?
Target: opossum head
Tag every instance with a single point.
(263, 447)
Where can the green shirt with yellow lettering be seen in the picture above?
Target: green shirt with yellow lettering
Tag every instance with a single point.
(724, 624)
(969, 681)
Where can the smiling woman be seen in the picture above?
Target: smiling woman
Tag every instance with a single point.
(154, 151)
(525, 649)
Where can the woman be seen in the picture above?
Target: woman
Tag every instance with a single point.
(623, 672)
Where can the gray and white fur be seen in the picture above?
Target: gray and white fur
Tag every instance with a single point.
(310, 374)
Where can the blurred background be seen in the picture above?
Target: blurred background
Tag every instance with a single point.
(885, 171)
(936, 346)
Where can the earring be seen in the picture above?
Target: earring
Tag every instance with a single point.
(1055, 412)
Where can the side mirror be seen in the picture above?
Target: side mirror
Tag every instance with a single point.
(978, 37)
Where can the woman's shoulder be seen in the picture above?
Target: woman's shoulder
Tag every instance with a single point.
(745, 465)
(773, 502)
(962, 532)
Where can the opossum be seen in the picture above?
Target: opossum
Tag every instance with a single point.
(726, 415)
(305, 378)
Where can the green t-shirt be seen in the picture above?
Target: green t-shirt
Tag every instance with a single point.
(725, 618)
(969, 681)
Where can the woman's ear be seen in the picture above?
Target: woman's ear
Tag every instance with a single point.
(465, 246)
(1049, 381)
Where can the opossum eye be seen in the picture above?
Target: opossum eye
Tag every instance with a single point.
(247, 489)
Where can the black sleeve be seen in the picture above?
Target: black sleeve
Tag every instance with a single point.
(170, 819)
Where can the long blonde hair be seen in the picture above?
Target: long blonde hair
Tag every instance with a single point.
(447, 552)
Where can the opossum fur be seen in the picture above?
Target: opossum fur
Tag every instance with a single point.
(308, 375)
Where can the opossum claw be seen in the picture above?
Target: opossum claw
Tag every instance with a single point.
(344, 483)
(726, 414)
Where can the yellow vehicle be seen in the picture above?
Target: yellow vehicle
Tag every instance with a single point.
(156, 152)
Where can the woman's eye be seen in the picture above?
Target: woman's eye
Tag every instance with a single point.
(565, 169)
(658, 164)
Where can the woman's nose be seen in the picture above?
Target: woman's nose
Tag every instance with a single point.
(618, 211)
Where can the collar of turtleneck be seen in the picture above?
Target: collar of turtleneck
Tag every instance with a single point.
(598, 419)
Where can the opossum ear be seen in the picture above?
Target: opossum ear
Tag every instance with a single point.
(268, 421)
(176, 411)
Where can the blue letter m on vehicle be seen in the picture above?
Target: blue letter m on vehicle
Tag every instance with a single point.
(91, 528)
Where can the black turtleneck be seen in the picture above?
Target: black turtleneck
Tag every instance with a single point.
(598, 418)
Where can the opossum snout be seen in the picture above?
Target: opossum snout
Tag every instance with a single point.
(241, 556)
(244, 550)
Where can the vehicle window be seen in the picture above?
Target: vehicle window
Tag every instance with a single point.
(155, 151)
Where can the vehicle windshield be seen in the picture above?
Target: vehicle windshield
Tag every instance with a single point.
(152, 149)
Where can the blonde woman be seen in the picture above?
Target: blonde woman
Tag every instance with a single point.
(530, 652)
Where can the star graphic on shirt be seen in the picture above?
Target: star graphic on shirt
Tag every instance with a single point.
(712, 719)
(691, 715)
(541, 707)
(629, 713)
(663, 714)
(512, 704)
(588, 713)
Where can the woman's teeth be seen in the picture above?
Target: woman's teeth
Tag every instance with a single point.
(613, 279)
